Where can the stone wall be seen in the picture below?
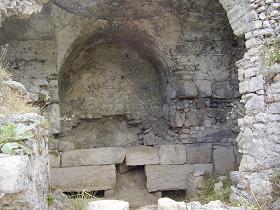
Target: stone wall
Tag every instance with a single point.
(189, 51)
(258, 141)
(24, 180)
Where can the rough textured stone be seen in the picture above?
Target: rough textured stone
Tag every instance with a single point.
(186, 90)
(163, 178)
(108, 205)
(142, 155)
(172, 154)
(54, 159)
(24, 180)
(224, 159)
(199, 153)
(169, 204)
(91, 157)
(76, 179)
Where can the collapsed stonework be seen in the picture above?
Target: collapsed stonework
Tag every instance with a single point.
(152, 85)
(24, 179)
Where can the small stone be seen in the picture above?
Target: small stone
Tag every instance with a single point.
(169, 204)
(218, 186)
(108, 205)
(149, 138)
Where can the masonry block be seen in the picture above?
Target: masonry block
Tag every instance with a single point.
(91, 178)
(142, 155)
(95, 156)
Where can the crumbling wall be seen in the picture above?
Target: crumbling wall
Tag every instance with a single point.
(258, 141)
(24, 179)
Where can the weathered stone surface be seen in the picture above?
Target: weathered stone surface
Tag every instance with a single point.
(54, 159)
(167, 177)
(224, 159)
(76, 179)
(199, 153)
(91, 157)
(204, 88)
(54, 118)
(186, 90)
(177, 118)
(169, 204)
(65, 145)
(149, 138)
(24, 180)
(108, 205)
(172, 154)
(14, 173)
(205, 168)
(142, 155)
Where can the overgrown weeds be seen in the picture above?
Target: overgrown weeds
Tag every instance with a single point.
(80, 201)
(271, 54)
(207, 192)
(11, 101)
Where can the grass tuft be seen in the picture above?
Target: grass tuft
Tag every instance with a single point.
(207, 192)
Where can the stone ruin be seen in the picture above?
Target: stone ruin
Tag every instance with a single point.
(145, 97)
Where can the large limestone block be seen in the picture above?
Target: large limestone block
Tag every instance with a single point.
(76, 179)
(224, 159)
(108, 205)
(142, 155)
(96, 156)
(167, 177)
(172, 154)
(199, 153)
(13, 173)
(169, 204)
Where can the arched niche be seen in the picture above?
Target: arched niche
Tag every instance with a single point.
(112, 87)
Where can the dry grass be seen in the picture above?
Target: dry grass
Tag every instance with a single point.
(11, 101)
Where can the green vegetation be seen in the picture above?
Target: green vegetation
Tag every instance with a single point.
(80, 201)
(275, 180)
(11, 101)
(272, 54)
(50, 199)
(13, 137)
(207, 192)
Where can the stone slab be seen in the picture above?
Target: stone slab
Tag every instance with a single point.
(199, 153)
(224, 159)
(142, 155)
(95, 156)
(91, 178)
(172, 154)
(167, 177)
